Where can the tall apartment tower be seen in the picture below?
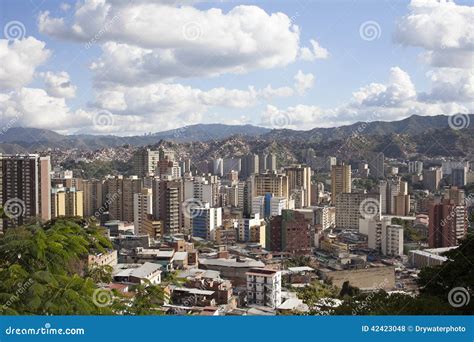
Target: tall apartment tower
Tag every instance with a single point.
(120, 193)
(394, 198)
(93, 197)
(272, 162)
(144, 162)
(290, 232)
(376, 164)
(431, 178)
(142, 209)
(341, 180)
(262, 163)
(168, 168)
(299, 178)
(167, 199)
(392, 240)
(25, 189)
(67, 202)
(447, 224)
(270, 182)
(459, 176)
(350, 207)
(205, 220)
(250, 165)
(218, 167)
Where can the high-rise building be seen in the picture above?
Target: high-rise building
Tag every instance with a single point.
(272, 162)
(268, 205)
(376, 162)
(325, 217)
(205, 220)
(264, 287)
(270, 182)
(252, 230)
(448, 166)
(415, 167)
(290, 232)
(120, 193)
(431, 179)
(459, 176)
(392, 240)
(341, 180)
(167, 199)
(199, 188)
(142, 209)
(25, 189)
(232, 164)
(262, 163)
(250, 165)
(394, 198)
(67, 202)
(299, 178)
(447, 224)
(93, 197)
(144, 162)
(455, 194)
(168, 168)
(218, 167)
(350, 207)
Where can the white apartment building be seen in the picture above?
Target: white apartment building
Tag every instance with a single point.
(264, 287)
(392, 240)
(199, 188)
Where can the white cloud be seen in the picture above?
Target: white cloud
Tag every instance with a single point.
(437, 25)
(303, 82)
(398, 90)
(451, 84)
(394, 100)
(35, 108)
(18, 61)
(149, 41)
(445, 31)
(58, 84)
(316, 52)
(168, 100)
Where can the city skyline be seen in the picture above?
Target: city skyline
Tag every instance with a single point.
(102, 69)
(237, 158)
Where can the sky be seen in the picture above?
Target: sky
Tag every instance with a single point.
(130, 67)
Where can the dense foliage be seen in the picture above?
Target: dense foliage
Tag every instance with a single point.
(43, 271)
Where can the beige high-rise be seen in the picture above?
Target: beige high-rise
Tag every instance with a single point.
(341, 180)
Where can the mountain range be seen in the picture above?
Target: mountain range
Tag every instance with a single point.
(407, 136)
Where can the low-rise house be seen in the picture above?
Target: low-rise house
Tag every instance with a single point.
(146, 273)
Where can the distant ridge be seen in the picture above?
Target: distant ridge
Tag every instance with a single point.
(20, 139)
